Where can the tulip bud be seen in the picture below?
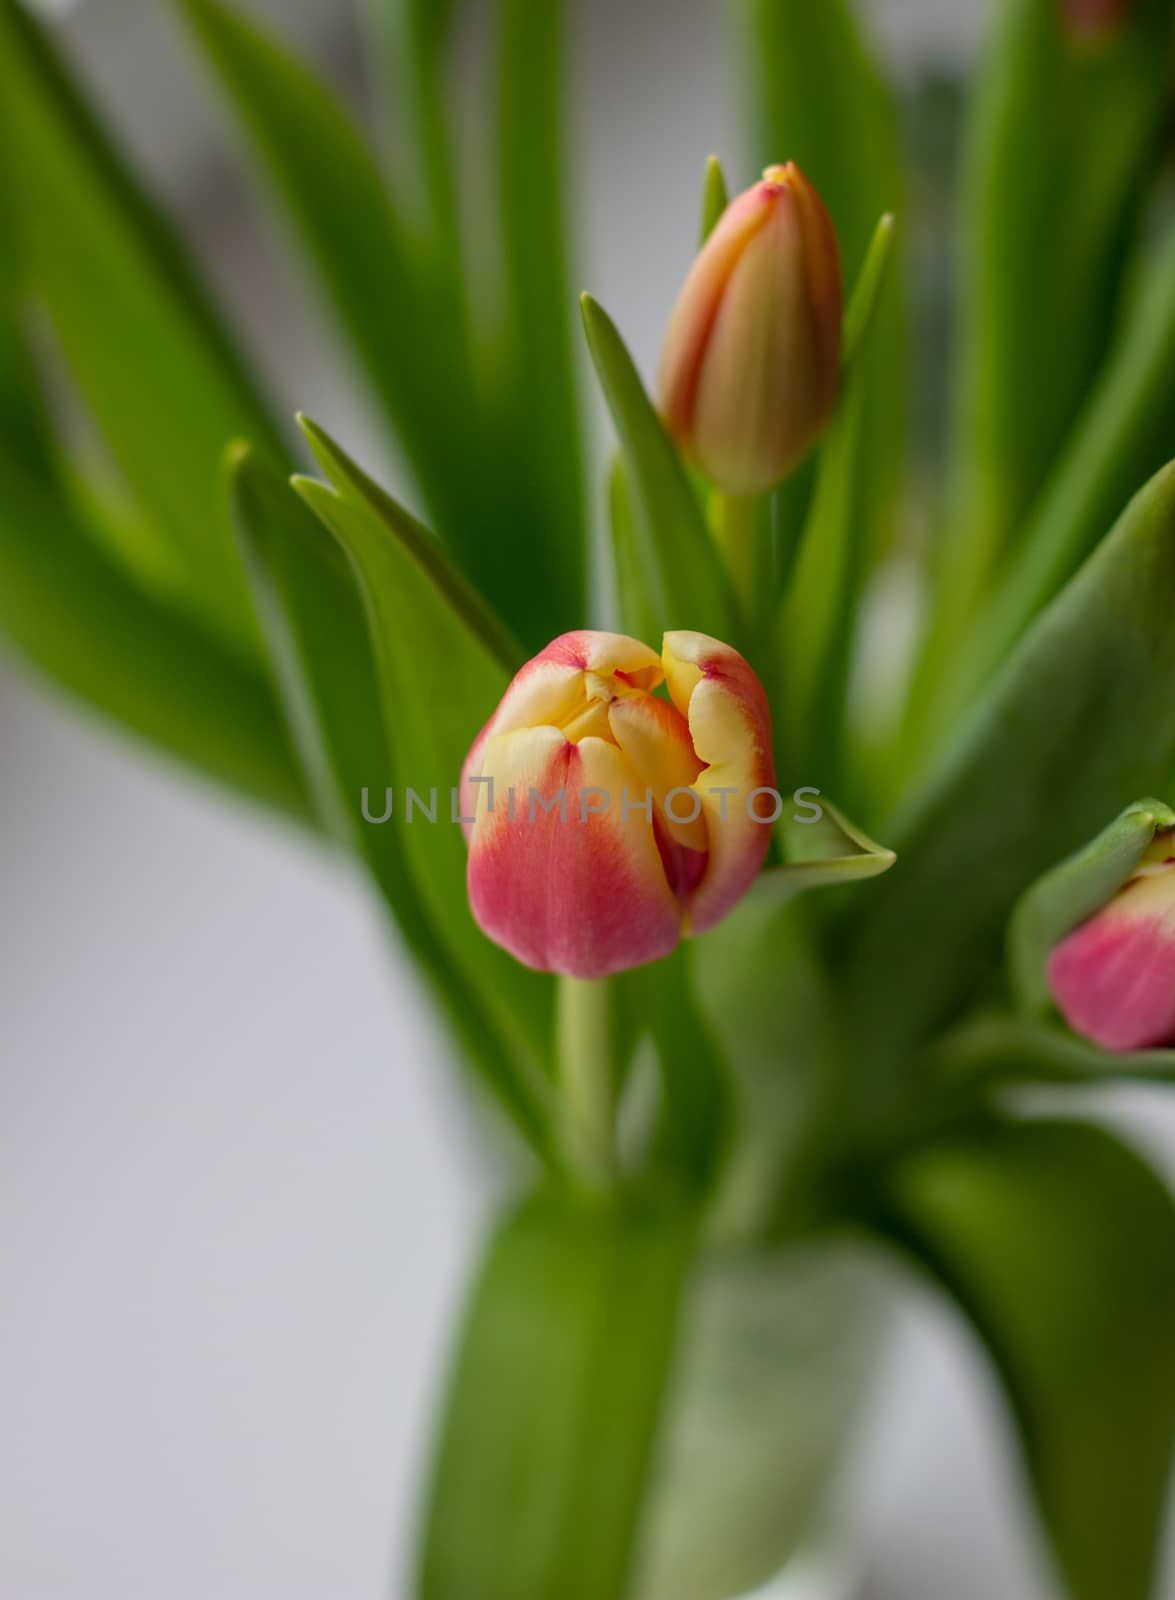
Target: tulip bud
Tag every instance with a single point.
(605, 821)
(751, 362)
(1113, 978)
(1090, 21)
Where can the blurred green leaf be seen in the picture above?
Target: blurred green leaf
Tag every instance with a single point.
(549, 1426)
(141, 338)
(337, 200)
(714, 198)
(812, 648)
(996, 1048)
(313, 617)
(1073, 891)
(1080, 719)
(636, 616)
(539, 582)
(1063, 139)
(81, 620)
(1059, 1243)
(682, 581)
(443, 666)
(818, 99)
(864, 301)
(778, 1022)
(1122, 437)
(777, 1348)
(693, 1121)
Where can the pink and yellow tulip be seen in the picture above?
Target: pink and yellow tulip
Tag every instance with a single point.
(751, 363)
(605, 821)
(1113, 978)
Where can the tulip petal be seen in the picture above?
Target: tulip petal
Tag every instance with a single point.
(550, 688)
(563, 886)
(697, 306)
(1113, 978)
(655, 738)
(730, 726)
(769, 377)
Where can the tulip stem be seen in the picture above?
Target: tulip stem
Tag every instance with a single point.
(735, 523)
(587, 1079)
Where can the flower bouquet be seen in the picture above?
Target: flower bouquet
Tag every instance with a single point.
(734, 1058)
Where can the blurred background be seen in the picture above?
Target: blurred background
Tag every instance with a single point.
(237, 1199)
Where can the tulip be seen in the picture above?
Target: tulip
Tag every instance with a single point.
(1089, 21)
(1113, 978)
(751, 362)
(603, 820)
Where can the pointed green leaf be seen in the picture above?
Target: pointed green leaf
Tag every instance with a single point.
(443, 666)
(1059, 1243)
(812, 648)
(337, 200)
(1121, 438)
(78, 618)
(817, 98)
(1073, 891)
(313, 618)
(542, 567)
(548, 1431)
(683, 581)
(823, 851)
(142, 341)
(714, 198)
(816, 627)
(637, 612)
(1064, 137)
(1080, 719)
(866, 295)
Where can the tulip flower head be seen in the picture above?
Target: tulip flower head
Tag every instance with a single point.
(751, 363)
(603, 820)
(1090, 21)
(1113, 978)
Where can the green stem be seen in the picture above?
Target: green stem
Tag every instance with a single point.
(734, 520)
(587, 1080)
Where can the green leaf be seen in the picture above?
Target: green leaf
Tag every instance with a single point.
(1059, 1243)
(638, 617)
(715, 198)
(1121, 438)
(443, 666)
(1080, 719)
(867, 292)
(544, 555)
(995, 1048)
(338, 202)
(817, 98)
(683, 584)
(693, 1114)
(548, 1431)
(777, 1021)
(1063, 140)
(777, 1348)
(816, 627)
(81, 620)
(314, 621)
(1073, 891)
(146, 348)
(823, 851)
